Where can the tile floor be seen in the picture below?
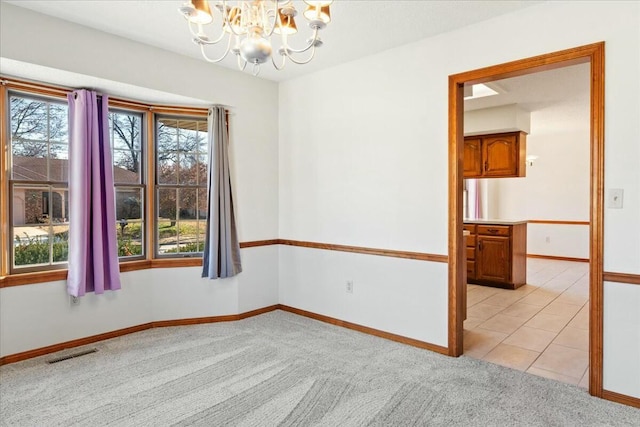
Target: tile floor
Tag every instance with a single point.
(541, 328)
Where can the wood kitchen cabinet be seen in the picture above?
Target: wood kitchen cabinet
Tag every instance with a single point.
(495, 156)
(496, 254)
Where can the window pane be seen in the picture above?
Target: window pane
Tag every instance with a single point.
(129, 203)
(203, 137)
(29, 120)
(167, 135)
(202, 204)
(58, 122)
(188, 173)
(188, 137)
(30, 205)
(59, 163)
(168, 169)
(189, 226)
(126, 141)
(126, 131)
(126, 166)
(60, 243)
(167, 210)
(130, 224)
(31, 246)
(40, 228)
(188, 204)
(202, 170)
(38, 132)
(29, 168)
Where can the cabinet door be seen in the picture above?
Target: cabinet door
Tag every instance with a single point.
(472, 158)
(493, 259)
(500, 154)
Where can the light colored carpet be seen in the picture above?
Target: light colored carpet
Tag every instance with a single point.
(280, 369)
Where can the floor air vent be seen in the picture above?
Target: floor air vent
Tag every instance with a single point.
(72, 355)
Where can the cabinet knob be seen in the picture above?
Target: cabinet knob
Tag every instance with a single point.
(486, 165)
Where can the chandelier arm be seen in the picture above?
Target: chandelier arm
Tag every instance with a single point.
(243, 66)
(306, 48)
(284, 62)
(313, 53)
(275, 20)
(225, 18)
(202, 41)
(226, 52)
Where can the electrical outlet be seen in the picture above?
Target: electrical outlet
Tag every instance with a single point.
(349, 286)
(74, 300)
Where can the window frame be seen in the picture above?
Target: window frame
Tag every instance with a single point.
(11, 184)
(143, 182)
(157, 187)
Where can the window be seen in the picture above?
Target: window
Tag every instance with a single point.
(161, 204)
(38, 182)
(127, 142)
(181, 185)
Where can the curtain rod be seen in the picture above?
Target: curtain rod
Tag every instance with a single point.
(57, 90)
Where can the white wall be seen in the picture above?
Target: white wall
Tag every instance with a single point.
(39, 315)
(363, 160)
(557, 185)
(621, 338)
(400, 296)
(505, 118)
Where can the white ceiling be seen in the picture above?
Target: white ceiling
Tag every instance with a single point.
(358, 28)
(532, 92)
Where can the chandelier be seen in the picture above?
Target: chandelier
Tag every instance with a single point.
(247, 29)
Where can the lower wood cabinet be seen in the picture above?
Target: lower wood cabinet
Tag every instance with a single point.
(496, 254)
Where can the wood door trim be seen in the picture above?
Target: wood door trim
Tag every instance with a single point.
(593, 54)
(4, 184)
(558, 258)
(631, 279)
(621, 398)
(365, 329)
(420, 256)
(54, 275)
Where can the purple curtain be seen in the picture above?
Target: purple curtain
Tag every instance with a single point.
(93, 248)
(221, 257)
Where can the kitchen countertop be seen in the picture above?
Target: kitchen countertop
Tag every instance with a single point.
(494, 221)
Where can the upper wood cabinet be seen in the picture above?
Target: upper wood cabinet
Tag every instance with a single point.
(472, 157)
(496, 155)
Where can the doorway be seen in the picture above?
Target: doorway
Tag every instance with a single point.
(594, 55)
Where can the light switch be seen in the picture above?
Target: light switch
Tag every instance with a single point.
(614, 201)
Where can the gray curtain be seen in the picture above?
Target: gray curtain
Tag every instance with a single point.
(221, 256)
